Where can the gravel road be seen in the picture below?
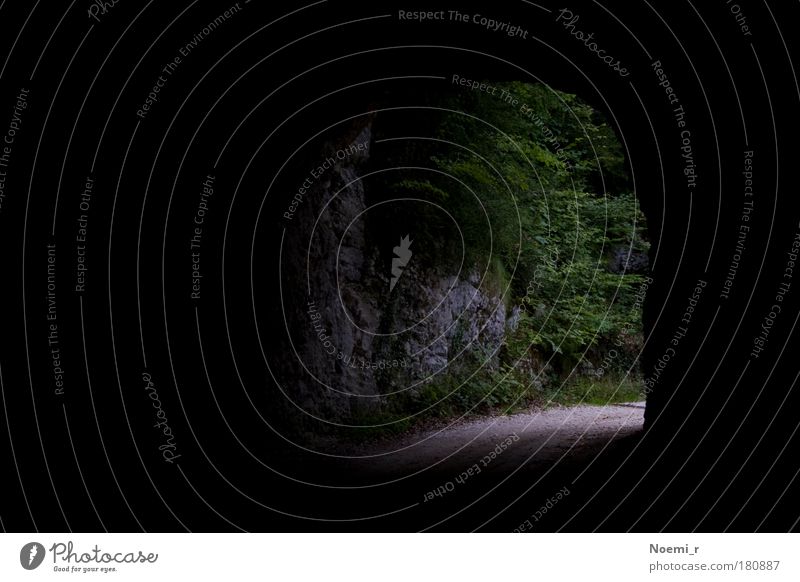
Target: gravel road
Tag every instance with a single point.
(508, 442)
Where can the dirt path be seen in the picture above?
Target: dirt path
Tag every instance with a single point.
(508, 442)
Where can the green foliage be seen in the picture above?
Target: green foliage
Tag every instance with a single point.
(540, 193)
(535, 169)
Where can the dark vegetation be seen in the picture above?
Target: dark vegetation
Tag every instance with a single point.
(547, 178)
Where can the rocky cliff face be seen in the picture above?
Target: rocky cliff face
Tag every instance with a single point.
(358, 338)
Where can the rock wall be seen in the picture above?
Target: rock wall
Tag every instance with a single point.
(356, 341)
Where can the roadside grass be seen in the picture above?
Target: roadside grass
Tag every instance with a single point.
(595, 391)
